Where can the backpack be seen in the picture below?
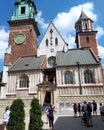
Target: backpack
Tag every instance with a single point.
(95, 105)
(50, 110)
(83, 108)
(84, 116)
(102, 108)
(89, 108)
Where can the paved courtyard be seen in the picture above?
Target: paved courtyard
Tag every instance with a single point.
(65, 121)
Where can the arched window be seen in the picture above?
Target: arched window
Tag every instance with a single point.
(86, 26)
(56, 41)
(88, 76)
(68, 77)
(24, 81)
(46, 42)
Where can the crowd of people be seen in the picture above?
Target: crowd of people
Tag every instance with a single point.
(87, 110)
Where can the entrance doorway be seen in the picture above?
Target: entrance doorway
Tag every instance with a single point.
(47, 97)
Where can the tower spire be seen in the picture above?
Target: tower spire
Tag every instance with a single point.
(24, 9)
(85, 34)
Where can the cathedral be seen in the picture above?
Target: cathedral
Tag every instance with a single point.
(49, 70)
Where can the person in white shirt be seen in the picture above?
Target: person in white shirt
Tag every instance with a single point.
(6, 116)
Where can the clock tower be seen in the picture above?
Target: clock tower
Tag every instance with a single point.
(23, 32)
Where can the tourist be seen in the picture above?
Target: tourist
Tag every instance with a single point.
(89, 110)
(79, 109)
(51, 116)
(75, 108)
(6, 117)
(94, 104)
(84, 107)
(101, 108)
(85, 118)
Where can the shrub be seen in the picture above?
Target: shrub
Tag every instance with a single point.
(17, 116)
(36, 122)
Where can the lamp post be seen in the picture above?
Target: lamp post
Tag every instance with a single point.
(79, 78)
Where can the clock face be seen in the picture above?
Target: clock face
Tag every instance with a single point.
(19, 38)
(52, 61)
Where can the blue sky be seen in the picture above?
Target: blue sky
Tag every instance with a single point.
(63, 13)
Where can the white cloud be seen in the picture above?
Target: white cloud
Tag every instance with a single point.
(70, 38)
(65, 22)
(101, 53)
(3, 34)
(3, 41)
(41, 20)
(100, 32)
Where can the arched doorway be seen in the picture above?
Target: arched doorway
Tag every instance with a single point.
(47, 97)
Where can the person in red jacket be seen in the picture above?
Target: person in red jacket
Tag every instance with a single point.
(75, 108)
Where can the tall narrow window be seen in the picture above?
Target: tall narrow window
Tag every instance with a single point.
(24, 81)
(79, 27)
(87, 39)
(51, 31)
(68, 77)
(86, 26)
(46, 42)
(56, 41)
(88, 76)
(22, 10)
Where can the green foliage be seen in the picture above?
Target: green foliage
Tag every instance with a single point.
(17, 116)
(36, 122)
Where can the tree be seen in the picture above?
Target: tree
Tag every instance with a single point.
(17, 116)
(36, 122)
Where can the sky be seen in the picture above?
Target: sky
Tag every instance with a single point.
(63, 13)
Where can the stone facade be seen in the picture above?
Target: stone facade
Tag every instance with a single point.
(62, 76)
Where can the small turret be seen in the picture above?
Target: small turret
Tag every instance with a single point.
(25, 9)
(84, 23)
(85, 33)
